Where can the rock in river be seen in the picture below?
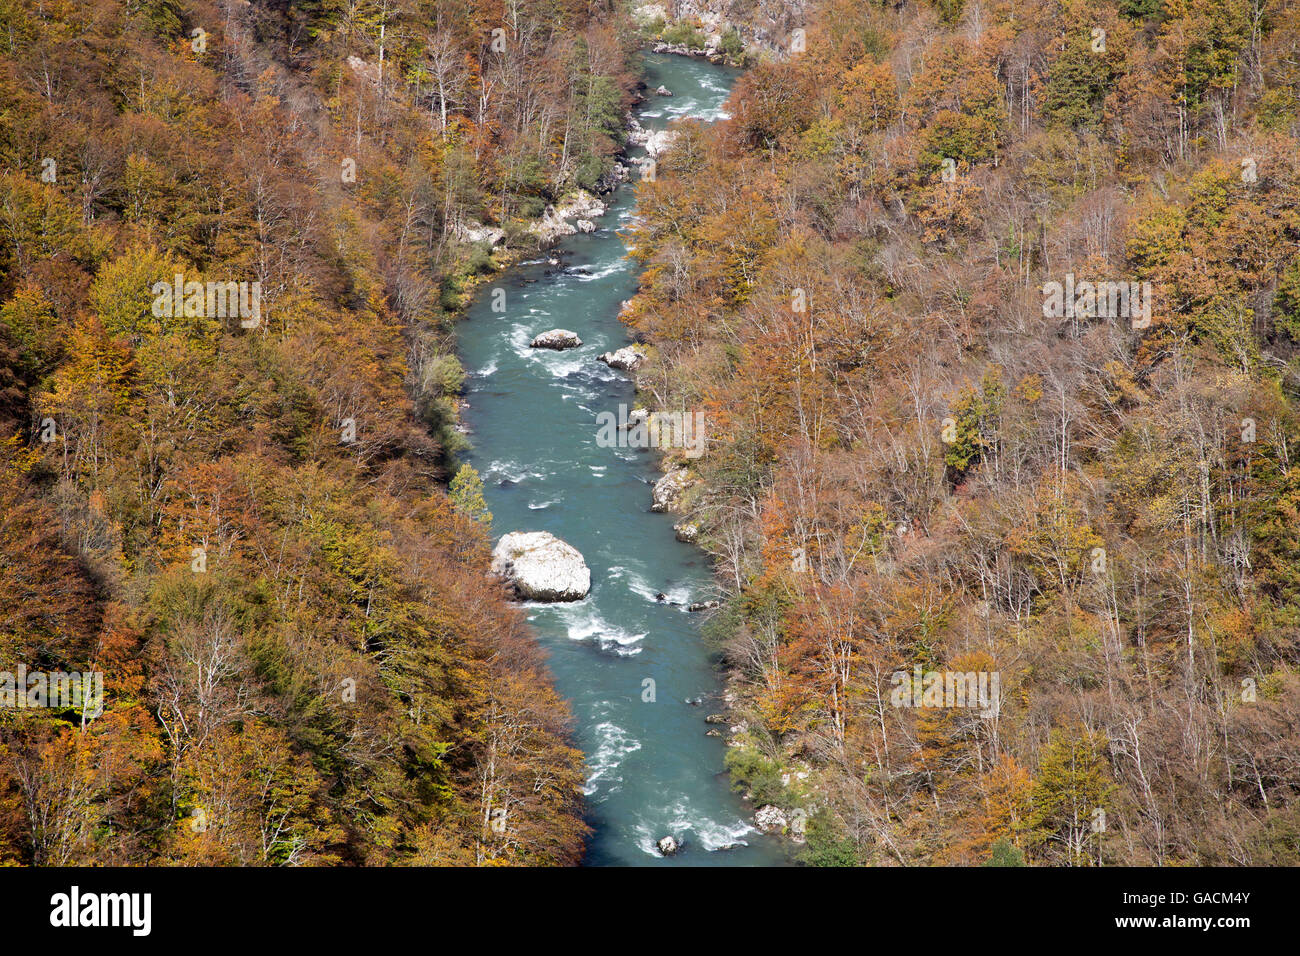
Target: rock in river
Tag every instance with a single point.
(558, 339)
(628, 358)
(541, 567)
(687, 531)
(668, 846)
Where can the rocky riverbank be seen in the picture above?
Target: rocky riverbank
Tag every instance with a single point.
(722, 31)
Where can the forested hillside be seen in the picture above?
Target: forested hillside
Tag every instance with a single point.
(241, 519)
(916, 460)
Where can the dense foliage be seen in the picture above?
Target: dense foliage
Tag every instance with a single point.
(911, 464)
(243, 523)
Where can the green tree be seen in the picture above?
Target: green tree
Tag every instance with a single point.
(466, 492)
(1004, 853)
(1077, 84)
(1071, 794)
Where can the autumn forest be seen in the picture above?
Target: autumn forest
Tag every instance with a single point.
(991, 309)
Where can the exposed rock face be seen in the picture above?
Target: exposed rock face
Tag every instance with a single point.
(636, 133)
(627, 359)
(477, 232)
(541, 567)
(703, 606)
(687, 531)
(551, 226)
(668, 846)
(608, 182)
(654, 141)
(367, 71)
(764, 25)
(585, 225)
(555, 220)
(771, 819)
(582, 205)
(668, 490)
(557, 339)
(650, 11)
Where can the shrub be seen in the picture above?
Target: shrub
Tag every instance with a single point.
(751, 771)
(1004, 853)
(443, 375)
(683, 34)
(825, 846)
(731, 43)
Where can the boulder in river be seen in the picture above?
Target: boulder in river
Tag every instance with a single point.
(668, 846)
(586, 225)
(663, 91)
(687, 531)
(557, 339)
(627, 359)
(541, 567)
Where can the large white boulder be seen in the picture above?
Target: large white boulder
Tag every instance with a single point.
(667, 846)
(628, 358)
(558, 339)
(541, 567)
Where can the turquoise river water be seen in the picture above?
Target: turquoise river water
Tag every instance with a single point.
(532, 417)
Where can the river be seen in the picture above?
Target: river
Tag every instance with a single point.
(532, 417)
